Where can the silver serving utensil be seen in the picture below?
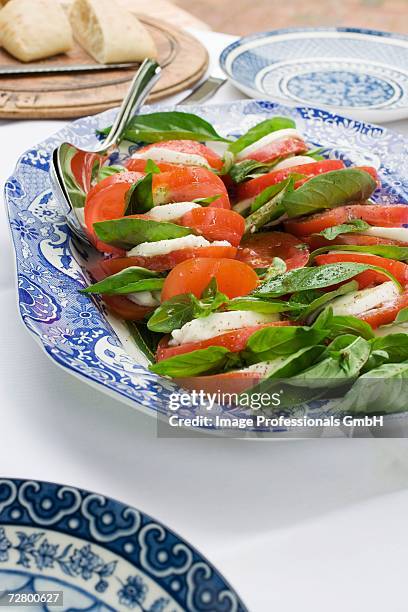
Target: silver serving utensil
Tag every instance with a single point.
(63, 183)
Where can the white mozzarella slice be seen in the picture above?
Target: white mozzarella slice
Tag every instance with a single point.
(291, 162)
(161, 154)
(170, 212)
(218, 323)
(359, 302)
(390, 233)
(267, 140)
(394, 328)
(163, 247)
(144, 298)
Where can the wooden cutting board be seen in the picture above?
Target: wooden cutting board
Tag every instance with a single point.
(183, 58)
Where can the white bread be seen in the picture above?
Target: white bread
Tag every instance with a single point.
(34, 29)
(109, 32)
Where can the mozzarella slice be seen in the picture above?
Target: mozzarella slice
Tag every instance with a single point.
(161, 154)
(267, 140)
(163, 247)
(170, 212)
(358, 302)
(218, 323)
(291, 162)
(390, 233)
(394, 328)
(144, 298)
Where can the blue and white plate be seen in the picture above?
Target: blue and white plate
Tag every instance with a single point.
(360, 73)
(103, 555)
(72, 329)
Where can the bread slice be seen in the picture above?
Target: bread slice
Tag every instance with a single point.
(109, 32)
(34, 29)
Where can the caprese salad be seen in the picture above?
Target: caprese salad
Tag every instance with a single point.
(263, 260)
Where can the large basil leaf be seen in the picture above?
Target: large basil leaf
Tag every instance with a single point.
(126, 233)
(395, 345)
(383, 250)
(105, 171)
(173, 125)
(119, 282)
(202, 361)
(342, 324)
(271, 207)
(271, 342)
(329, 190)
(259, 131)
(139, 198)
(173, 313)
(354, 225)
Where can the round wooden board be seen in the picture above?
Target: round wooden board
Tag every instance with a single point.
(183, 58)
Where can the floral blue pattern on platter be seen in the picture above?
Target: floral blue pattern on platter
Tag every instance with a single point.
(51, 266)
(361, 72)
(103, 555)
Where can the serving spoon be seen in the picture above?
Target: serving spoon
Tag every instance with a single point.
(63, 182)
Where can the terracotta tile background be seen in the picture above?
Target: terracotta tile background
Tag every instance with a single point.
(246, 16)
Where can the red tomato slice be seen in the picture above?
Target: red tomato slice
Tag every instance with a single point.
(139, 165)
(187, 183)
(253, 187)
(235, 341)
(279, 148)
(385, 314)
(126, 309)
(234, 278)
(191, 147)
(395, 215)
(369, 277)
(161, 263)
(82, 165)
(317, 242)
(215, 224)
(107, 201)
(259, 250)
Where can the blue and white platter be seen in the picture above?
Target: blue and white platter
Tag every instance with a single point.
(360, 73)
(75, 331)
(103, 556)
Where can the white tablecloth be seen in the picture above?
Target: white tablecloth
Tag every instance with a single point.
(310, 525)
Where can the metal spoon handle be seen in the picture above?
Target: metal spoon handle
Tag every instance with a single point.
(143, 81)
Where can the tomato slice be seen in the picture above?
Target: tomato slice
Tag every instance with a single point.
(82, 165)
(139, 165)
(395, 215)
(369, 277)
(259, 250)
(215, 224)
(187, 183)
(317, 242)
(126, 309)
(385, 314)
(105, 201)
(253, 187)
(234, 278)
(278, 148)
(235, 341)
(191, 147)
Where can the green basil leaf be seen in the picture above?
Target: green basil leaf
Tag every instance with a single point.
(267, 194)
(105, 171)
(139, 198)
(354, 225)
(271, 342)
(151, 167)
(342, 324)
(173, 313)
(303, 279)
(126, 233)
(144, 339)
(116, 282)
(396, 346)
(259, 131)
(277, 268)
(315, 154)
(321, 301)
(383, 250)
(173, 125)
(329, 190)
(204, 201)
(257, 305)
(270, 209)
(202, 361)
(402, 316)
(211, 290)
(247, 169)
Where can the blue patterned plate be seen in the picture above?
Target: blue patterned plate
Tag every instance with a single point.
(360, 73)
(70, 327)
(103, 555)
